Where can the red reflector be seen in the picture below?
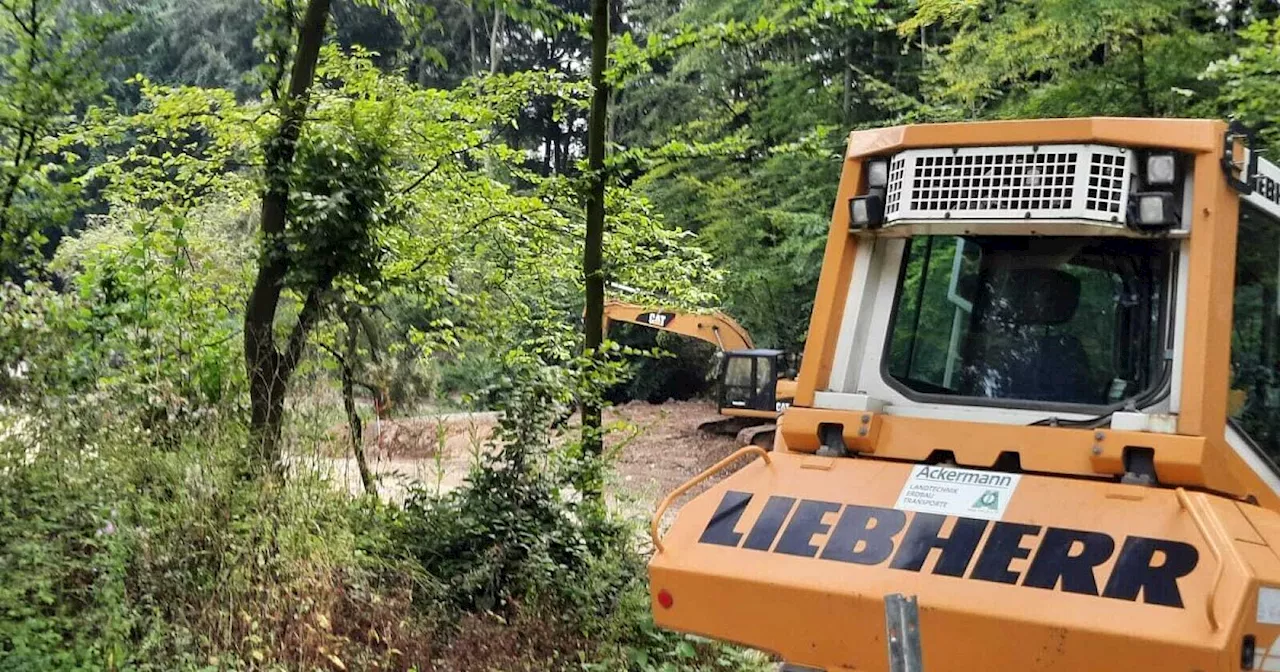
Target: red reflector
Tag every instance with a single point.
(665, 599)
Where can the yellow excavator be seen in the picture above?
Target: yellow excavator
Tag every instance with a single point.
(1035, 421)
(753, 384)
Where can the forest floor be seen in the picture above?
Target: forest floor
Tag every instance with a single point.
(656, 447)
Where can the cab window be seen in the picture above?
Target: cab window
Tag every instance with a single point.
(1044, 319)
(1254, 400)
(739, 372)
(764, 373)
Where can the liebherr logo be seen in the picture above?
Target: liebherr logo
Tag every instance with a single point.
(1060, 558)
(1267, 188)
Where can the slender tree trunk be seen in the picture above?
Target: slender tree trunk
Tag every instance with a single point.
(592, 440)
(381, 392)
(847, 103)
(495, 39)
(471, 37)
(354, 423)
(1144, 96)
(268, 368)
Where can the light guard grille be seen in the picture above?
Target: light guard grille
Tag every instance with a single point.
(1053, 182)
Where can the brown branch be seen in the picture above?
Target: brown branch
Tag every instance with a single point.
(342, 361)
(311, 311)
(440, 162)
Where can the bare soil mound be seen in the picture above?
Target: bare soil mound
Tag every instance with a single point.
(659, 446)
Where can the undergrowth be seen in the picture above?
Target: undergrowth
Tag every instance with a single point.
(136, 533)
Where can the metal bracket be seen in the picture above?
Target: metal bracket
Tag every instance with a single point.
(831, 438)
(1247, 168)
(902, 632)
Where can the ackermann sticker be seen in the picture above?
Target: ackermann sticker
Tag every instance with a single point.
(957, 492)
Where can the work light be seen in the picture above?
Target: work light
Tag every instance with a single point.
(1161, 169)
(866, 212)
(1154, 210)
(877, 173)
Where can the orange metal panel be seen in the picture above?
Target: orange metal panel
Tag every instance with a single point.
(1235, 521)
(833, 287)
(822, 608)
(1180, 460)
(1207, 351)
(828, 612)
(1188, 135)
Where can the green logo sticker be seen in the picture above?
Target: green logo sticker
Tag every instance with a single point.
(989, 500)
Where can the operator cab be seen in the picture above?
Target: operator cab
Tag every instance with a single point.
(749, 380)
(1036, 282)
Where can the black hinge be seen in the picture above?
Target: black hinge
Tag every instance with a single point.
(1248, 169)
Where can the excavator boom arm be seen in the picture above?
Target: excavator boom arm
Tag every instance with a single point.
(715, 328)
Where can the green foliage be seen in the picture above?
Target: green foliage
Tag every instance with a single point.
(64, 572)
(132, 539)
(1062, 58)
(667, 366)
(1249, 82)
(436, 200)
(207, 44)
(517, 539)
(49, 70)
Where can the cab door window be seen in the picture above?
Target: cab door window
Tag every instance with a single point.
(1254, 399)
(739, 372)
(749, 382)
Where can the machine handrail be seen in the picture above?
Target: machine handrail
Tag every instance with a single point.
(1211, 539)
(666, 503)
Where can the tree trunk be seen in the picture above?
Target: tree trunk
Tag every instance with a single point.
(592, 440)
(847, 103)
(267, 367)
(1144, 96)
(381, 391)
(354, 422)
(495, 40)
(471, 37)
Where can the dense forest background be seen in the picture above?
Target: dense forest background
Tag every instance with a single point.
(227, 226)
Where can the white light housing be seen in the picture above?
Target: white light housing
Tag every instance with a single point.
(1154, 210)
(1162, 169)
(877, 173)
(866, 212)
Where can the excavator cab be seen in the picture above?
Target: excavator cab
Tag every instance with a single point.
(1034, 422)
(749, 381)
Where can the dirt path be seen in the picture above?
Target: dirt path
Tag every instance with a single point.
(437, 452)
(658, 447)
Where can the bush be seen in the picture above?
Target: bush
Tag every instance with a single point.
(682, 369)
(126, 556)
(136, 533)
(533, 576)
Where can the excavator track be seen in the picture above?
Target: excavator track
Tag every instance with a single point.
(758, 435)
(746, 431)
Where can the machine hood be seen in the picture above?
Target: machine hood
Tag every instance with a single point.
(795, 554)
